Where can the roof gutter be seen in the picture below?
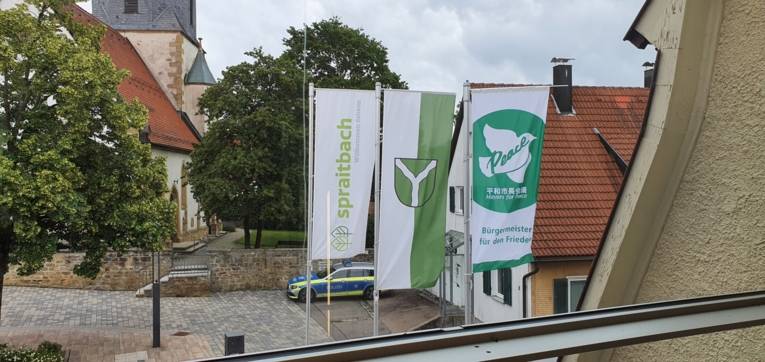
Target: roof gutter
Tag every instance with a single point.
(632, 35)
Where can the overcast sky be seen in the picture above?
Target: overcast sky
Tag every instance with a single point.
(438, 44)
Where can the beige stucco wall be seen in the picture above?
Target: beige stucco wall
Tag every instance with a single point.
(713, 240)
(542, 283)
(163, 52)
(169, 56)
(191, 94)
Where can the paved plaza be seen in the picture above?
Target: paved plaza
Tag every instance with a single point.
(267, 318)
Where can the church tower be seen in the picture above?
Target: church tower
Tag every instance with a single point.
(165, 34)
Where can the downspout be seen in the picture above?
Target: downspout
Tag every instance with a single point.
(525, 287)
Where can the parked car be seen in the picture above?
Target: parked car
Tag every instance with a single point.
(344, 279)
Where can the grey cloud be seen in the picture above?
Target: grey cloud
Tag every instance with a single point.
(438, 44)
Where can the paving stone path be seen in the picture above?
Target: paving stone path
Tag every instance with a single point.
(268, 319)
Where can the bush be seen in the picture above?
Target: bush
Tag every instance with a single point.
(45, 352)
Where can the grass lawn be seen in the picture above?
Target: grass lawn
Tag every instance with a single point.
(271, 237)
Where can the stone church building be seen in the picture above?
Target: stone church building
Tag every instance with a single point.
(156, 40)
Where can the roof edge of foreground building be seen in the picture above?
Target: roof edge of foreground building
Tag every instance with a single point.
(690, 217)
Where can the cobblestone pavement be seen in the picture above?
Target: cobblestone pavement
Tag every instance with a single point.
(268, 319)
(110, 344)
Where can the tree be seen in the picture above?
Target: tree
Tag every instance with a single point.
(71, 164)
(245, 165)
(341, 57)
(249, 165)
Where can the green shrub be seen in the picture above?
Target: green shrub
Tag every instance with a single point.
(45, 352)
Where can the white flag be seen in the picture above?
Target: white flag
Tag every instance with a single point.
(508, 129)
(417, 129)
(344, 149)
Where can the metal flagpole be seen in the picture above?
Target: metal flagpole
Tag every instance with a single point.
(309, 216)
(329, 280)
(467, 207)
(378, 179)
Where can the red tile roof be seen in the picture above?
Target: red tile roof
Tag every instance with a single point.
(579, 180)
(166, 128)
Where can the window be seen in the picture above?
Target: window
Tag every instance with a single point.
(505, 285)
(131, 6)
(487, 282)
(342, 273)
(456, 199)
(192, 11)
(451, 199)
(575, 289)
(354, 273)
(566, 293)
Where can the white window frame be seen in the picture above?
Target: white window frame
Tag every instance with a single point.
(459, 200)
(495, 287)
(576, 278)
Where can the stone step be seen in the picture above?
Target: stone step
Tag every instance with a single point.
(145, 291)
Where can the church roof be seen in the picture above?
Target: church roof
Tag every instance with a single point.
(166, 128)
(163, 15)
(200, 73)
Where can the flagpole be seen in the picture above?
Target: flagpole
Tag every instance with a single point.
(329, 280)
(467, 207)
(378, 179)
(309, 217)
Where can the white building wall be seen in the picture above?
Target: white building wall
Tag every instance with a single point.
(174, 161)
(491, 308)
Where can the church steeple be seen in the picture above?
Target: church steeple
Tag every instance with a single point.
(172, 15)
(200, 73)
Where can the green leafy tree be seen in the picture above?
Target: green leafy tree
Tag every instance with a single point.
(246, 165)
(71, 165)
(249, 164)
(339, 56)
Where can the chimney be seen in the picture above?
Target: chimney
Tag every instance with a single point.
(648, 68)
(562, 79)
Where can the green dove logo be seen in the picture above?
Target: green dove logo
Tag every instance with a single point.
(509, 153)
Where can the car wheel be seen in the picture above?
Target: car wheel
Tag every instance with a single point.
(301, 296)
(369, 293)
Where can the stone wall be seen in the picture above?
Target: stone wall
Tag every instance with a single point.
(259, 268)
(198, 286)
(128, 271)
(230, 270)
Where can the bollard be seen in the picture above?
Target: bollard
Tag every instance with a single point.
(233, 343)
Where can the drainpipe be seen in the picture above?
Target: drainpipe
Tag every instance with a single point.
(525, 287)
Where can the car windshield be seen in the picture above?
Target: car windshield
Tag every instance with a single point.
(323, 273)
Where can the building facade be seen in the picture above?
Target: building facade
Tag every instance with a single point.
(691, 218)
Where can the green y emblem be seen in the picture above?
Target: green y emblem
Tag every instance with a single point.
(415, 180)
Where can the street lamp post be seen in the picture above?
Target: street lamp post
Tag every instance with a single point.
(155, 298)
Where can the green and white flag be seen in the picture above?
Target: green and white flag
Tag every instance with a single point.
(508, 128)
(417, 129)
(343, 165)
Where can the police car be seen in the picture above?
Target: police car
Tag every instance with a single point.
(344, 279)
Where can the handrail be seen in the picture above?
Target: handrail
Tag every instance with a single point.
(543, 337)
